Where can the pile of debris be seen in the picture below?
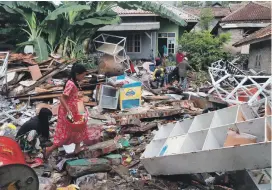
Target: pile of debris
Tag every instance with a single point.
(136, 134)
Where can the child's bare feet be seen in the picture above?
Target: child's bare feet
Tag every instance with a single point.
(79, 149)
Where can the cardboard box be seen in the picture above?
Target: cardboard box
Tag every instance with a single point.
(130, 95)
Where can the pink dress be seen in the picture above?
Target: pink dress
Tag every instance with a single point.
(63, 134)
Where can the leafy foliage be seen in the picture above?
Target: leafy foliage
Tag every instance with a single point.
(205, 3)
(190, 3)
(203, 48)
(62, 28)
(41, 49)
(206, 18)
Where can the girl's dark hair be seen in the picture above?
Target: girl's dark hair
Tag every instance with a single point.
(76, 69)
(44, 116)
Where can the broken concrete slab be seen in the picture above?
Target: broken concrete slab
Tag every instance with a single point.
(80, 167)
(163, 112)
(115, 159)
(92, 181)
(141, 129)
(131, 122)
(99, 149)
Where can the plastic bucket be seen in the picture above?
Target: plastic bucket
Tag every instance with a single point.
(80, 122)
(10, 152)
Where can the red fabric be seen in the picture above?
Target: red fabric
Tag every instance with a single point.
(179, 57)
(131, 69)
(64, 135)
(93, 136)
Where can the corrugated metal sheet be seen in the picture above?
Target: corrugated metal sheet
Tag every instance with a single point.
(132, 26)
(121, 11)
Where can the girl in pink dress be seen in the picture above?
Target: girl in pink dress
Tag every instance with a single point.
(63, 134)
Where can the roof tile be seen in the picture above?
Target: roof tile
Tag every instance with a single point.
(250, 12)
(217, 11)
(182, 14)
(262, 33)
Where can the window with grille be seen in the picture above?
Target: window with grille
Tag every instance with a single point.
(134, 43)
(258, 61)
(171, 38)
(171, 48)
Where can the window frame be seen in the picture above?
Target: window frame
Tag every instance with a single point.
(167, 36)
(133, 43)
(258, 61)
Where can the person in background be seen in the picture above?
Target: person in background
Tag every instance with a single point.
(34, 133)
(69, 99)
(164, 55)
(158, 61)
(179, 56)
(182, 72)
(158, 76)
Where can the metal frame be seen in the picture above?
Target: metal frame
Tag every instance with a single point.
(115, 52)
(229, 82)
(4, 69)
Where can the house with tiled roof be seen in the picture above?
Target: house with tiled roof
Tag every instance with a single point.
(147, 32)
(245, 20)
(260, 49)
(218, 11)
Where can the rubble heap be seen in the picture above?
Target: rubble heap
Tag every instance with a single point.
(135, 133)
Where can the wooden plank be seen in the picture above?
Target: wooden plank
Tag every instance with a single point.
(35, 72)
(90, 104)
(25, 69)
(39, 97)
(150, 98)
(45, 77)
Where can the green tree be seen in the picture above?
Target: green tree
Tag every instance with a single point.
(206, 18)
(190, 3)
(63, 27)
(203, 48)
(66, 28)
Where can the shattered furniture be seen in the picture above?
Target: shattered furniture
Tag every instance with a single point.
(233, 86)
(261, 178)
(198, 145)
(112, 45)
(114, 59)
(109, 97)
(3, 70)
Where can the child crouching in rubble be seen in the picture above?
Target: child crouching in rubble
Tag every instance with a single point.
(33, 134)
(69, 99)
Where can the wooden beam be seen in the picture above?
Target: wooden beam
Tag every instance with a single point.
(39, 97)
(45, 77)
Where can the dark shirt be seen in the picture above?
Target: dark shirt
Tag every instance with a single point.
(182, 68)
(34, 124)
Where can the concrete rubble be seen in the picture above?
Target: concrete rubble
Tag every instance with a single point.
(126, 146)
